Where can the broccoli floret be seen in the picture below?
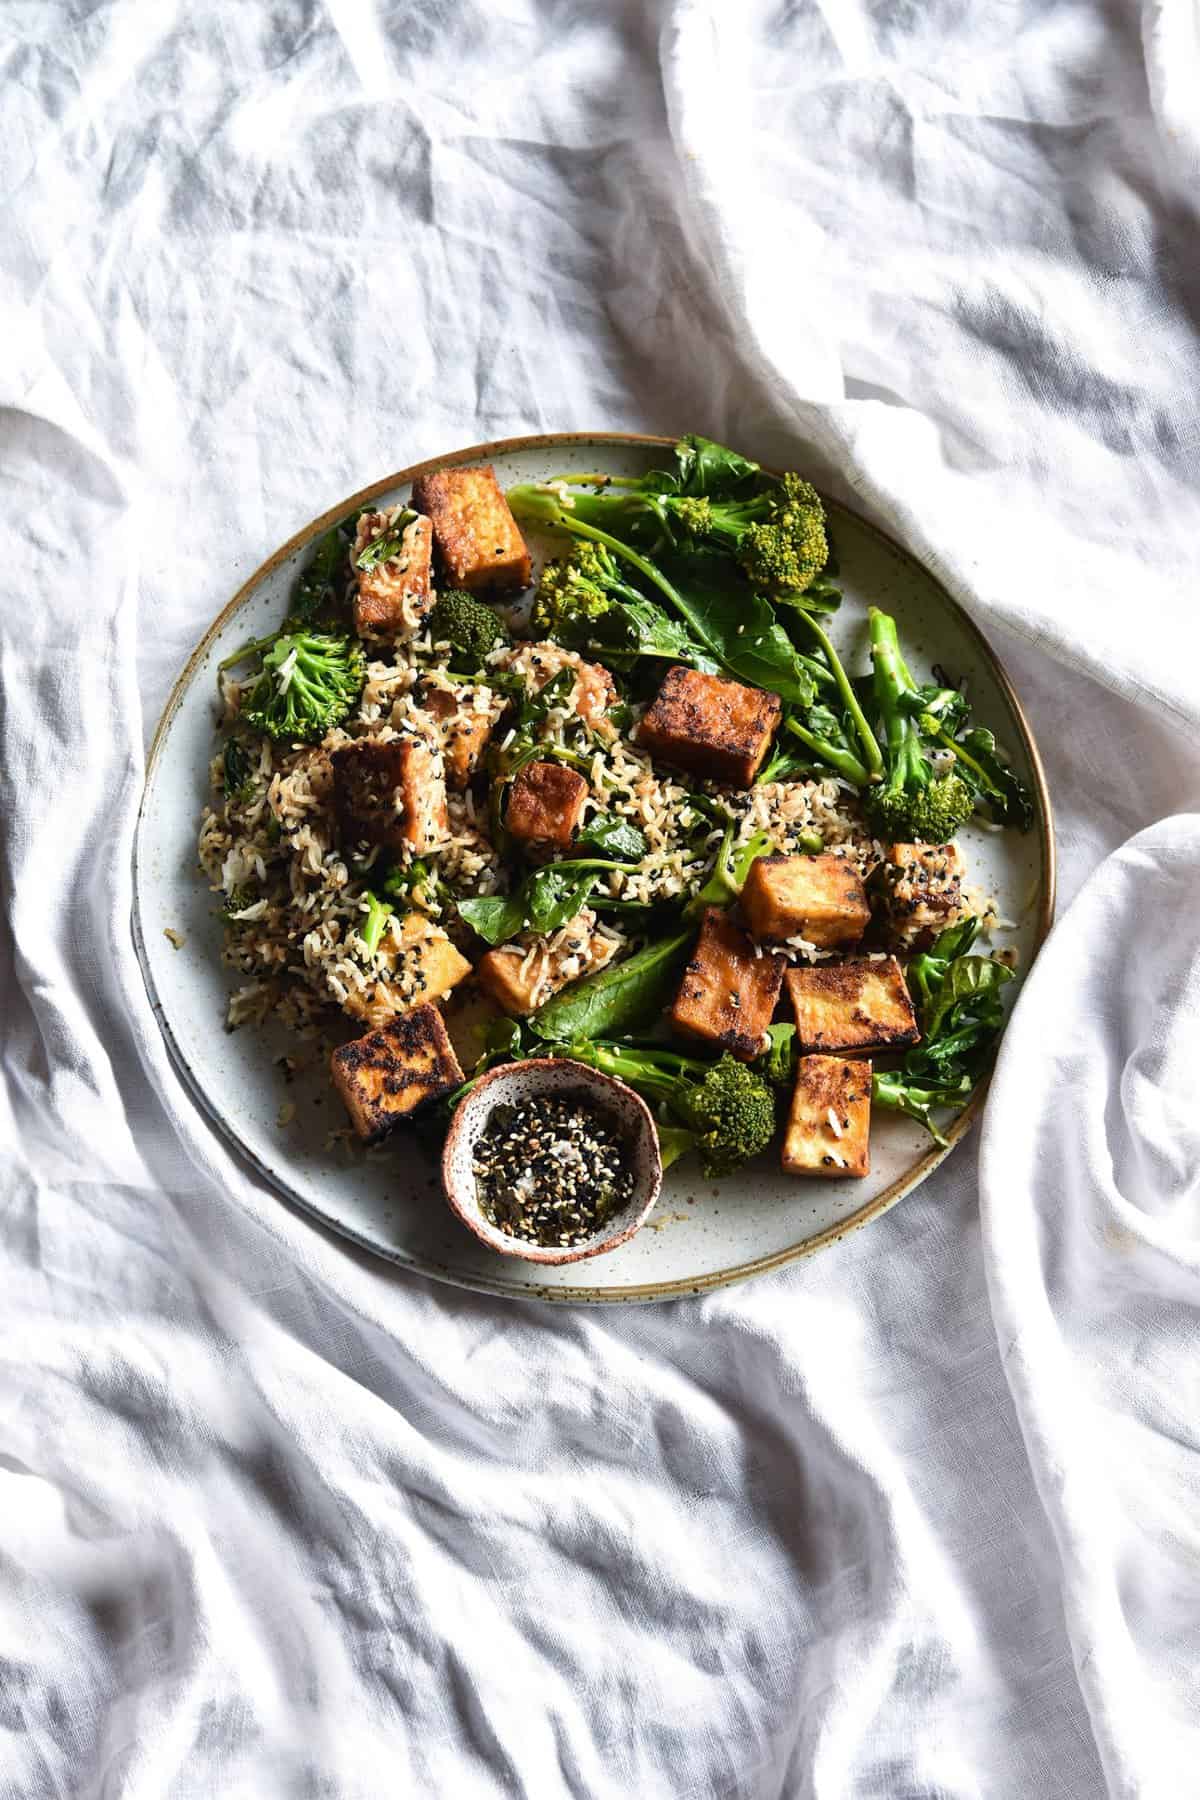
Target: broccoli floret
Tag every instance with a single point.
(307, 683)
(913, 804)
(468, 625)
(727, 1108)
(785, 551)
(574, 590)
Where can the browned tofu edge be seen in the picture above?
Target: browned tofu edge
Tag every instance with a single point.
(831, 982)
(836, 1082)
(689, 723)
(391, 1056)
(700, 1013)
(469, 511)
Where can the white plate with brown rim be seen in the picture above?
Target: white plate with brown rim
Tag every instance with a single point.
(701, 1234)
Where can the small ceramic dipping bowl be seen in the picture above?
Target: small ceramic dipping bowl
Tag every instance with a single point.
(514, 1083)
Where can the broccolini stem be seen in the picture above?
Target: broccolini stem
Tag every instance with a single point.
(597, 480)
(626, 551)
(841, 760)
(251, 649)
(872, 755)
(372, 931)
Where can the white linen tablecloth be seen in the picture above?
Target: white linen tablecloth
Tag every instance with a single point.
(918, 1519)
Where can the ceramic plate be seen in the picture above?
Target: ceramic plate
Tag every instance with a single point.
(700, 1235)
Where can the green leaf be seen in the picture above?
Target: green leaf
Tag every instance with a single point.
(614, 836)
(740, 628)
(555, 894)
(315, 591)
(495, 918)
(704, 467)
(235, 768)
(614, 998)
(386, 545)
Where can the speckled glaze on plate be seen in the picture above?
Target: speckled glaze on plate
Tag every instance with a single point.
(701, 1234)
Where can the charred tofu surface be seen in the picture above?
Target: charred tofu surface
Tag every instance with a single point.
(819, 898)
(478, 539)
(391, 792)
(830, 1118)
(392, 599)
(711, 726)
(522, 976)
(852, 1006)
(544, 804)
(465, 729)
(387, 1076)
(921, 893)
(727, 994)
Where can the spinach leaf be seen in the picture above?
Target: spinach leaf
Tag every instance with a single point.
(614, 998)
(980, 762)
(739, 627)
(315, 592)
(614, 836)
(495, 918)
(704, 467)
(235, 768)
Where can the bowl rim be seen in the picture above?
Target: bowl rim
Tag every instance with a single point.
(642, 1291)
(499, 1241)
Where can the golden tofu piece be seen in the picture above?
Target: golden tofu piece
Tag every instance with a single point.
(829, 1123)
(464, 729)
(727, 994)
(921, 893)
(544, 804)
(415, 961)
(387, 1076)
(818, 898)
(478, 539)
(852, 1006)
(469, 1014)
(391, 792)
(714, 727)
(523, 975)
(392, 600)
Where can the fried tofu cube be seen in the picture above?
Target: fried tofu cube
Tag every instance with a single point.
(523, 975)
(415, 961)
(464, 727)
(714, 727)
(920, 888)
(819, 898)
(852, 1006)
(391, 792)
(393, 598)
(728, 993)
(830, 1118)
(470, 1013)
(387, 1076)
(544, 804)
(478, 539)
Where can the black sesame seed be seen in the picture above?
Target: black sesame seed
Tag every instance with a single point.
(550, 1170)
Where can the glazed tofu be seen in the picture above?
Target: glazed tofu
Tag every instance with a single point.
(392, 599)
(415, 961)
(464, 727)
(727, 994)
(544, 804)
(523, 975)
(470, 1013)
(819, 898)
(392, 792)
(830, 1119)
(387, 1076)
(478, 539)
(715, 728)
(920, 887)
(852, 1006)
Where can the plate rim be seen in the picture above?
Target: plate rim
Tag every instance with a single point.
(510, 1289)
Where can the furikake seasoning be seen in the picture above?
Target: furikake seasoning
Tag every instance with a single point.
(550, 1170)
